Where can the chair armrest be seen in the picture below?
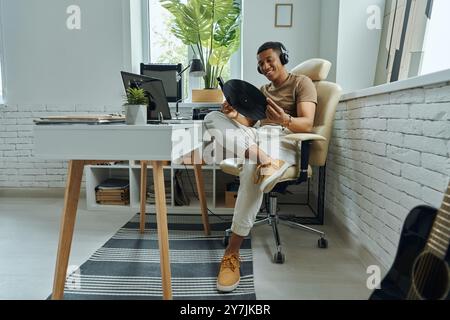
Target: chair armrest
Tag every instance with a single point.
(304, 141)
(304, 137)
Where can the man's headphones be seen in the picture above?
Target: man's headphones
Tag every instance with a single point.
(284, 56)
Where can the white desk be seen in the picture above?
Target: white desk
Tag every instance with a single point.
(91, 144)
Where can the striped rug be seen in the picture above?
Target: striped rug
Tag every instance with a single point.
(127, 266)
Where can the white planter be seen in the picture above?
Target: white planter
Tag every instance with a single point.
(136, 114)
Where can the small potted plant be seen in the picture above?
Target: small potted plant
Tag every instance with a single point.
(136, 106)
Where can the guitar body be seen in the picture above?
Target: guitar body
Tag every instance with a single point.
(398, 281)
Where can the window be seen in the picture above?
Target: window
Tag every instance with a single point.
(164, 47)
(414, 40)
(2, 98)
(1, 83)
(437, 47)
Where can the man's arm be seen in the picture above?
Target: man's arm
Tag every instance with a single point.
(244, 120)
(231, 113)
(303, 124)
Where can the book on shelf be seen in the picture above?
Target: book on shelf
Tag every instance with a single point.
(121, 193)
(113, 202)
(113, 184)
(113, 191)
(151, 196)
(120, 197)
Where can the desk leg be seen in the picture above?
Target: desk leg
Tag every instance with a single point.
(163, 235)
(72, 194)
(143, 194)
(202, 197)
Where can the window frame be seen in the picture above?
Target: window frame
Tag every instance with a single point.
(2, 60)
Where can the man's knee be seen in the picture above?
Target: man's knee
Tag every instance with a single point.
(213, 116)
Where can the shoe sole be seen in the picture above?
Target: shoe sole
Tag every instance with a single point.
(268, 184)
(227, 288)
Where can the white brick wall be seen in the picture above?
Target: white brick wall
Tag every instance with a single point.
(388, 154)
(18, 167)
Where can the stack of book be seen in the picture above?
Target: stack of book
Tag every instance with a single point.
(151, 193)
(113, 192)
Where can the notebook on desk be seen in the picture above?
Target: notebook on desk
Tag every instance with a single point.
(81, 119)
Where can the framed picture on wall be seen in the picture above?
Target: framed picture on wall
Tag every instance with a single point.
(283, 15)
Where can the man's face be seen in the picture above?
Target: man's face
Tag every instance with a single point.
(269, 63)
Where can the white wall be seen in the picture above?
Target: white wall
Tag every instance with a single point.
(302, 39)
(358, 46)
(329, 28)
(48, 64)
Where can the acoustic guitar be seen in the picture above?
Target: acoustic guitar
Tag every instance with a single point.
(421, 268)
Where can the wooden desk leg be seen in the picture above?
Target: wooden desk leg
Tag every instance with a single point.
(201, 196)
(72, 194)
(163, 234)
(143, 194)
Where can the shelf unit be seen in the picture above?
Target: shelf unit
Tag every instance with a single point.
(214, 180)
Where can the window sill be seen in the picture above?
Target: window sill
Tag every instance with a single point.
(420, 81)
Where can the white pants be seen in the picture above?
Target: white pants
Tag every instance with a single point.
(236, 139)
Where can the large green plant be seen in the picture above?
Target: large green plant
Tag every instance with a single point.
(211, 28)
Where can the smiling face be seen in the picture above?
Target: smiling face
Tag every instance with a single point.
(270, 65)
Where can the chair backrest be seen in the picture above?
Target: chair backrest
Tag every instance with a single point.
(328, 96)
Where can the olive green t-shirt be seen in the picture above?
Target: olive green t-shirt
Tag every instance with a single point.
(296, 88)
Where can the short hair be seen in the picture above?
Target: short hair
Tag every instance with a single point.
(277, 46)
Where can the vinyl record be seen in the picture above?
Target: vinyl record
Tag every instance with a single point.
(245, 98)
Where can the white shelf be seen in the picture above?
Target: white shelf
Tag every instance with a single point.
(96, 174)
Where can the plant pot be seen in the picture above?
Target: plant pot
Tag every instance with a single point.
(136, 114)
(207, 95)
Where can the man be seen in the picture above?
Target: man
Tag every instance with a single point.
(291, 104)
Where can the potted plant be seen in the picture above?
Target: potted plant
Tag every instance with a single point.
(212, 30)
(135, 106)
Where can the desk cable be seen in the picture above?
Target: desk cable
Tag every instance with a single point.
(196, 195)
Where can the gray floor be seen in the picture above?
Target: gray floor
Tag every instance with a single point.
(29, 236)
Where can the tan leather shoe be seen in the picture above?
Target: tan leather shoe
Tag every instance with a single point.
(267, 175)
(229, 274)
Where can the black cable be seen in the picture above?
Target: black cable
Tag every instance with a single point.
(196, 195)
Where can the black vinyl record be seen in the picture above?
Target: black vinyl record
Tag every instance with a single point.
(245, 98)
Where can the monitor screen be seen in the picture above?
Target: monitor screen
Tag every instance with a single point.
(154, 89)
(168, 74)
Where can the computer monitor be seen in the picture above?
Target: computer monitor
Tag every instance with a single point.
(168, 73)
(154, 90)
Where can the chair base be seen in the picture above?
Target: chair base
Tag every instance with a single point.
(273, 220)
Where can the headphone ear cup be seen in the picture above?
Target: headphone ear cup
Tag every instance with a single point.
(284, 58)
(259, 70)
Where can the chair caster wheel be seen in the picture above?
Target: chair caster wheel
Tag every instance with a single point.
(226, 240)
(322, 243)
(278, 257)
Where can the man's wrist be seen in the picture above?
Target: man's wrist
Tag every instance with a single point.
(286, 121)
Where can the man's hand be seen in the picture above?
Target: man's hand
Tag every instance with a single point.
(274, 113)
(229, 111)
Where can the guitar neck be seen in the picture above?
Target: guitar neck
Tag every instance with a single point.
(439, 239)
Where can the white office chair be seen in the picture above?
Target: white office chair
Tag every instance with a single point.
(314, 150)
